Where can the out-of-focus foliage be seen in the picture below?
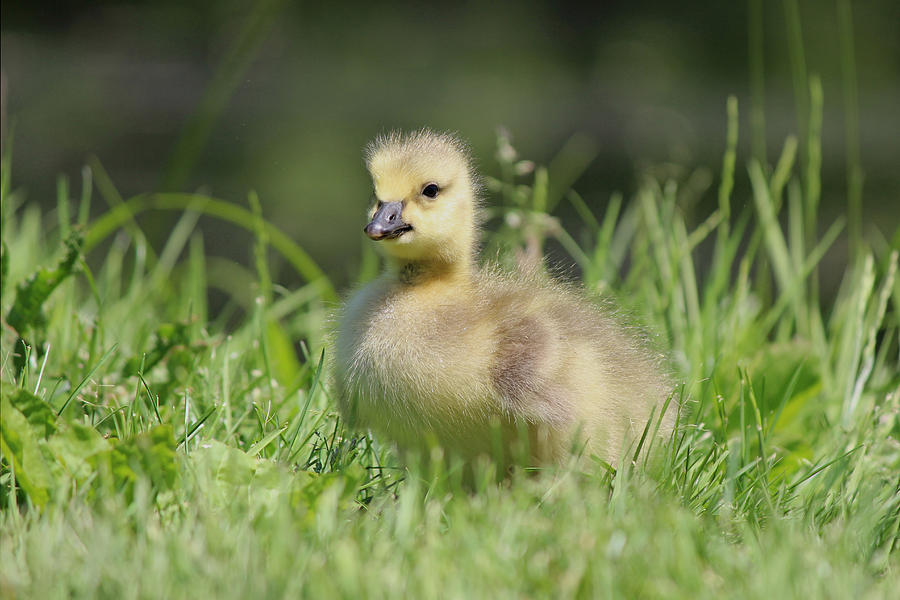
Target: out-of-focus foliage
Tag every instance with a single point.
(280, 97)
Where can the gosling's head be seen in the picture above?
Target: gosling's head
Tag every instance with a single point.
(425, 203)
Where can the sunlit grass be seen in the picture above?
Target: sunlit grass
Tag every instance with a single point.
(150, 450)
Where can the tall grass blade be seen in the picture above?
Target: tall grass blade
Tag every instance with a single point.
(299, 259)
(756, 54)
(228, 75)
(799, 76)
(851, 123)
(86, 378)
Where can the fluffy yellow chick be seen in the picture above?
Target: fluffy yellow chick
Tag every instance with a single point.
(440, 350)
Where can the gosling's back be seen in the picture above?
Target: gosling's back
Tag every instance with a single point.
(451, 362)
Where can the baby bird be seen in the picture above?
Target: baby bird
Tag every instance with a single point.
(440, 350)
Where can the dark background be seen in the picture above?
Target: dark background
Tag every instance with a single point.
(305, 85)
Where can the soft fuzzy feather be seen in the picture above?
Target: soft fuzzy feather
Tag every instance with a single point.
(437, 349)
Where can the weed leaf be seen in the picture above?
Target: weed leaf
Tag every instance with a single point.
(20, 443)
(26, 315)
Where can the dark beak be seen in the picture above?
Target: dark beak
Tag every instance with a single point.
(387, 222)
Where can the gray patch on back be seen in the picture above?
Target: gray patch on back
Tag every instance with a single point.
(516, 373)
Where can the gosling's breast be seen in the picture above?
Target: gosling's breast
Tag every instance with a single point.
(419, 366)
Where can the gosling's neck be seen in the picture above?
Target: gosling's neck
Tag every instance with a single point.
(454, 265)
(426, 273)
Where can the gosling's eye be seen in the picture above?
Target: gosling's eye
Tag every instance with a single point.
(431, 190)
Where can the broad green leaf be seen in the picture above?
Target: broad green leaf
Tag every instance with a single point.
(167, 336)
(33, 292)
(20, 443)
(148, 455)
(229, 475)
(39, 414)
(75, 447)
(26, 315)
(231, 478)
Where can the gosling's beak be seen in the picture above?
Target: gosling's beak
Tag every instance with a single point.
(387, 222)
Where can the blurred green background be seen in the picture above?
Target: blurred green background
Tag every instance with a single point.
(227, 97)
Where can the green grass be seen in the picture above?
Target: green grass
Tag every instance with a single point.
(150, 449)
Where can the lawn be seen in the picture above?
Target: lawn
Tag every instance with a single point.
(153, 449)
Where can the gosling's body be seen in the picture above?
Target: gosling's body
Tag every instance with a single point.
(439, 350)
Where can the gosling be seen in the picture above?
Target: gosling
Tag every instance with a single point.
(438, 350)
